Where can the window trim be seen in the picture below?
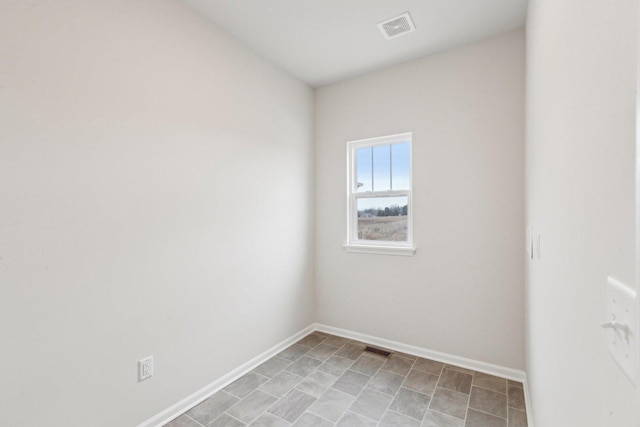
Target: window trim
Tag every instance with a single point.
(353, 244)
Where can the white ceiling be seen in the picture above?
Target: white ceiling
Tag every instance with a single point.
(323, 41)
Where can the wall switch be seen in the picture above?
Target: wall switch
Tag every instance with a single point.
(145, 368)
(621, 327)
(530, 242)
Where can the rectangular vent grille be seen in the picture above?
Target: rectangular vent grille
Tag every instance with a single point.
(397, 26)
(378, 351)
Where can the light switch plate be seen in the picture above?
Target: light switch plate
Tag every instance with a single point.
(622, 309)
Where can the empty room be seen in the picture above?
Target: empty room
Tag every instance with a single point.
(289, 213)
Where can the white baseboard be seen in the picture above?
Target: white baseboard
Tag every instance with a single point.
(527, 402)
(463, 362)
(208, 390)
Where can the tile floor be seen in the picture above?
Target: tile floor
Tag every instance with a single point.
(325, 380)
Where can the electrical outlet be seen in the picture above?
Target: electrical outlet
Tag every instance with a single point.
(145, 368)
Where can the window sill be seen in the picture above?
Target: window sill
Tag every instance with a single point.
(381, 250)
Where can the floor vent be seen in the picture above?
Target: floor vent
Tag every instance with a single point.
(378, 351)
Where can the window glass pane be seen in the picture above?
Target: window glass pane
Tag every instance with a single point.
(382, 168)
(363, 169)
(400, 166)
(383, 218)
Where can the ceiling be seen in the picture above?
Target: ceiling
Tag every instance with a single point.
(324, 41)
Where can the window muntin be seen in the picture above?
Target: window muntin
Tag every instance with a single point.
(379, 199)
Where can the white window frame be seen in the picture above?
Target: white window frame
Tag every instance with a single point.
(377, 246)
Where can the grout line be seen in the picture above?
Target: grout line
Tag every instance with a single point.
(346, 394)
(433, 394)
(393, 398)
(364, 387)
(278, 399)
(273, 395)
(339, 391)
(362, 415)
(320, 360)
(319, 416)
(466, 413)
(274, 357)
(479, 410)
(484, 388)
(193, 419)
(488, 389)
(473, 377)
(225, 411)
(229, 415)
(488, 413)
(445, 414)
(271, 406)
(404, 415)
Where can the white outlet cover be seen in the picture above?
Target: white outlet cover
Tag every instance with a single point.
(622, 307)
(145, 368)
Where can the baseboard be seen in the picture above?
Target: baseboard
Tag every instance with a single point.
(487, 368)
(207, 391)
(527, 402)
(463, 362)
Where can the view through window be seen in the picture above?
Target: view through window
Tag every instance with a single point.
(380, 191)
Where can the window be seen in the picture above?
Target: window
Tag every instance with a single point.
(379, 195)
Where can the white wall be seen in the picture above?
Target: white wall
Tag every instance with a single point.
(462, 293)
(156, 194)
(580, 150)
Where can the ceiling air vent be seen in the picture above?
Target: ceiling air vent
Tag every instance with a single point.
(397, 26)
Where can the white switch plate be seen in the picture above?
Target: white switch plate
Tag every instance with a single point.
(622, 308)
(145, 368)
